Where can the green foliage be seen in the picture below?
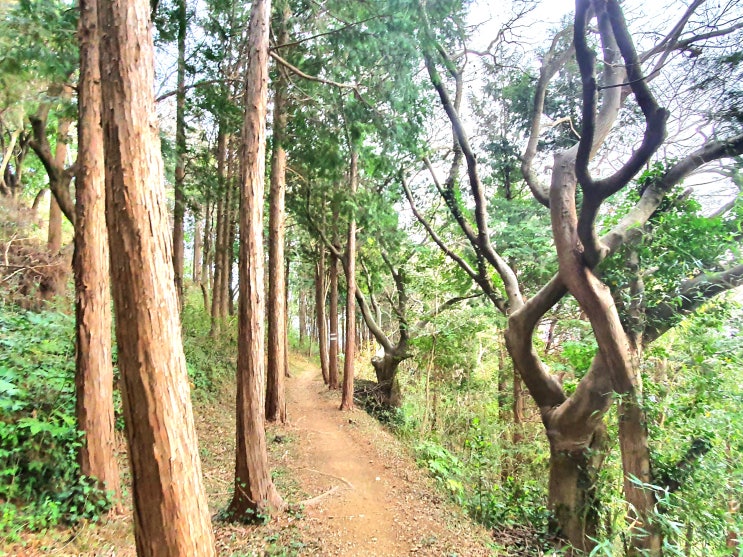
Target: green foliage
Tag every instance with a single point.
(210, 361)
(40, 482)
(696, 420)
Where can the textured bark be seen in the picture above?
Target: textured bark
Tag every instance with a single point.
(255, 493)
(277, 314)
(385, 369)
(197, 249)
(333, 318)
(54, 237)
(572, 489)
(634, 445)
(220, 233)
(94, 406)
(171, 516)
(54, 230)
(322, 325)
(350, 269)
(179, 207)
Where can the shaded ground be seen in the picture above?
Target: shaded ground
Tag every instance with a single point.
(353, 489)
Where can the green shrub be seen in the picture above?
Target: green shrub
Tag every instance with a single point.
(40, 483)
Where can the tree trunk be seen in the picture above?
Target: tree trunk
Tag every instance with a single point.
(385, 369)
(302, 302)
(633, 442)
(221, 230)
(197, 239)
(572, 490)
(277, 314)
(54, 232)
(171, 516)
(322, 330)
(286, 318)
(179, 206)
(94, 382)
(518, 407)
(228, 300)
(255, 493)
(333, 335)
(206, 252)
(350, 352)
(54, 238)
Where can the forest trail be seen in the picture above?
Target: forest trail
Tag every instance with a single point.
(376, 501)
(353, 489)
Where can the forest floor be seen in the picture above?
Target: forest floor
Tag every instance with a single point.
(353, 489)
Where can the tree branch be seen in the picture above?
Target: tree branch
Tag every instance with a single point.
(693, 293)
(551, 63)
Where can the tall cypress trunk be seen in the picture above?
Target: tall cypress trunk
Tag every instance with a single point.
(302, 302)
(322, 330)
(197, 239)
(348, 362)
(220, 230)
(179, 207)
(206, 257)
(277, 314)
(94, 406)
(333, 317)
(171, 515)
(255, 493)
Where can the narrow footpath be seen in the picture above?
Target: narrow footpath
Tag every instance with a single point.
(352, 487)
(377, 501)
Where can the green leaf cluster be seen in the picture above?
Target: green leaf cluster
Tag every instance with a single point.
(40, 481)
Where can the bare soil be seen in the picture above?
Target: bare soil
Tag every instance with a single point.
(353, 490)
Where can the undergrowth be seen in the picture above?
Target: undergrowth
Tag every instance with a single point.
(40, 481)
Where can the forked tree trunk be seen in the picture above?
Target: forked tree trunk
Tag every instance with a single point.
(385, 369)
(572, 489)
(322, 330)
(255, 493)
(333, 317)
(277, 314)
(171, 516)
(94, 406)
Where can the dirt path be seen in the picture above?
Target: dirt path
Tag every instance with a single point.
(363, 493)
(360, 511)
(380, 503)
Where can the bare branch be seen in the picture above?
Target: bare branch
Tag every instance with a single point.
(693, 293)
(654, 194)
(300, 73)
(480, 279)
(551, 63)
